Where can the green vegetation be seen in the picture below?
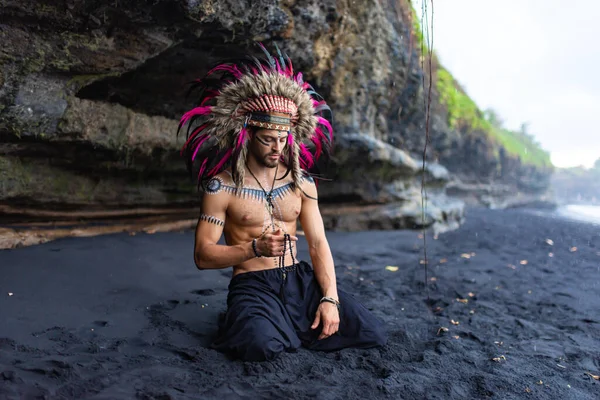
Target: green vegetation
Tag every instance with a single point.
(416, 28)
(522, 145)
(462, 111)
(40, 180)
(464, 115)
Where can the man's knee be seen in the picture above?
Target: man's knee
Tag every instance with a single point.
(379, 337)
(262, 348)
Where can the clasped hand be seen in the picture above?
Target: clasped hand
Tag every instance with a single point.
(272, 244)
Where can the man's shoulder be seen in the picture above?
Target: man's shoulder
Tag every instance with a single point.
(307, 177)
(222, 182)
(307, 181)
(308, 186)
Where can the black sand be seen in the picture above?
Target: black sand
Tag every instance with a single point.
(122, 317)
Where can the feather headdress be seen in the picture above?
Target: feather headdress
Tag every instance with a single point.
(265, 94)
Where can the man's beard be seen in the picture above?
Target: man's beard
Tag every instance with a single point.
(266, 161)
(269, 162)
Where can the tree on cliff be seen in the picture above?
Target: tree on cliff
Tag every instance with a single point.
(493, 118)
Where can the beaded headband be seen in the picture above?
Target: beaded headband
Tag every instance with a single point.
(271, 112)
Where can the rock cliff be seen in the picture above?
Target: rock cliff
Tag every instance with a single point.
(90, 94)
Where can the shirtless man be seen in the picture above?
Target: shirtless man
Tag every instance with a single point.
(275, 302)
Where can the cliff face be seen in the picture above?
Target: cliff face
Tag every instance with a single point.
(90, 94)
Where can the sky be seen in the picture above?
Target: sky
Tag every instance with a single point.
(533, 61)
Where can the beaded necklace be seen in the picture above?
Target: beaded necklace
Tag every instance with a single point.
(268, 195)
(270, 205)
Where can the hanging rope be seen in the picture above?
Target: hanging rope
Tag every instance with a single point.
(427, 107)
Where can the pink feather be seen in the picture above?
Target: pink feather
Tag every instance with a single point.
(327, 125)
(306, 156)
(202, 168)
(215, 170)
(241, 138)
(290, 144)
(262, 46)
(206, 100)
(211, 94)
(193, 136)
(320, 135)
(193, 112)
(198, 147)
(289, 71)
(318, 146)
(278, 67)
(228, 68)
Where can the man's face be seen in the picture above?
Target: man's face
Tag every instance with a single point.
(267, 146)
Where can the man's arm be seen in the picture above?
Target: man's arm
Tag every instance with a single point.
(207, 253)
(322, 260)
(314, 230)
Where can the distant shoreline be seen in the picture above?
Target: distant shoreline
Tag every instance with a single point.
(573, 212)
(583, 213)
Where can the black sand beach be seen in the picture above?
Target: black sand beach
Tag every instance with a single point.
(124, 317)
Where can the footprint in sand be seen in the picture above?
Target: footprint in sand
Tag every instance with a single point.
(204, 292)
(10, 376)
(162, 307)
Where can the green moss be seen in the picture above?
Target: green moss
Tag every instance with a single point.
(18, 178)
(93, 43)
(464, 115)
(66, 60)
(46, 11)
(416, 28)
(461, 109)
(62, 65)
(13, 175)
(79, 81)
(522, 146)
(36, 62)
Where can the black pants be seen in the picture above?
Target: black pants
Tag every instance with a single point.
(268, 313)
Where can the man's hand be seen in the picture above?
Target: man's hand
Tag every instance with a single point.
(271, 244)
(329, 316)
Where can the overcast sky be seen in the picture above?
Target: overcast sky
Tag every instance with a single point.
(534, 61)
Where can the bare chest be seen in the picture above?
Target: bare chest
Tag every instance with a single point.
(251, 207)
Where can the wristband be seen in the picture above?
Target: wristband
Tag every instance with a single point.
(256, 253)
(330, 300)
